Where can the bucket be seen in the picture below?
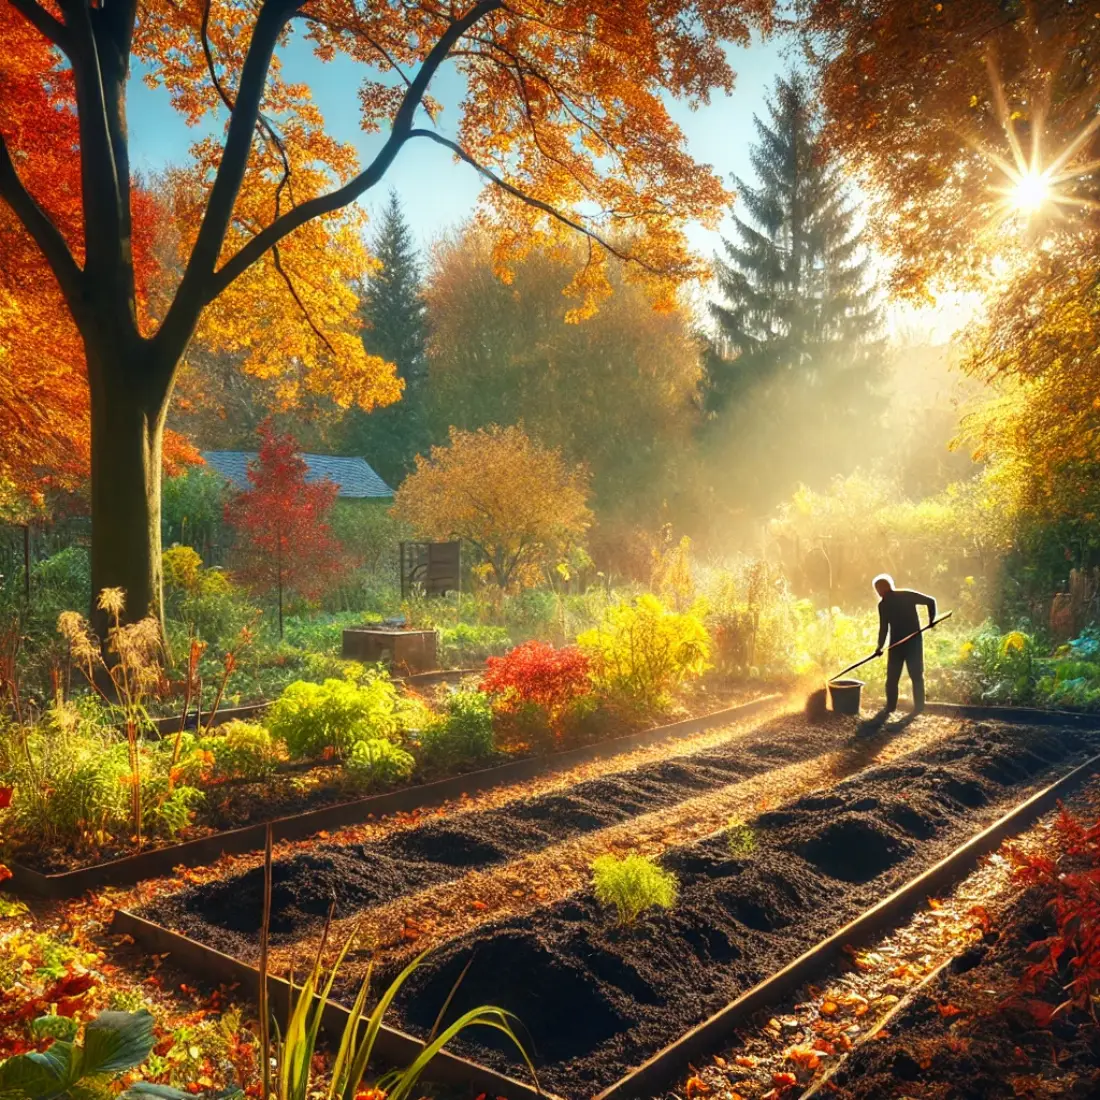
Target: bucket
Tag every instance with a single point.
(845, 695)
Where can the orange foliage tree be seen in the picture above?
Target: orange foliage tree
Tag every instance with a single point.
(43, 387)
(517, 503)
(565, 111)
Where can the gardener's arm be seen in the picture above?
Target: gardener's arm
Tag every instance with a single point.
(882, 626)
(930, 603)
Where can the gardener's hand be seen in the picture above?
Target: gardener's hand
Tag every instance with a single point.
(878, 652)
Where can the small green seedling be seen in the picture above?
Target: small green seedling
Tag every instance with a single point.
(741, 839)
(633, 885)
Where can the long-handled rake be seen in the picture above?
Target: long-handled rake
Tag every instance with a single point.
(817, 701)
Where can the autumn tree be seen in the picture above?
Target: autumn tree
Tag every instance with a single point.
(283, 539)
(565, 111)
(394, 328)
(518, 504)
(975, 128)
(44, 403)
(974, 125)
(616, 390)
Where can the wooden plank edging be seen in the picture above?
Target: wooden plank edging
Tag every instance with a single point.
(649, 1078)
(392, 1047)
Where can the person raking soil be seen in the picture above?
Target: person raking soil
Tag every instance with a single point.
(898, 617)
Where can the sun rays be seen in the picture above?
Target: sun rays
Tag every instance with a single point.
(1036, 180)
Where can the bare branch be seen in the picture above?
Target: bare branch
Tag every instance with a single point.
(41, 228)
(538, 204)
(342, 196)
(45, 23)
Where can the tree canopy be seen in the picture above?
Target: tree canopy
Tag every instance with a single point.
(517, 503)
(565, 111)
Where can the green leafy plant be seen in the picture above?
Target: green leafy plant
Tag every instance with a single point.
(114, 1042)
(741, 839)
(378, 763)
(333, 716)
(632, 885)
(242, 750)
(641, 651)
(463, 734)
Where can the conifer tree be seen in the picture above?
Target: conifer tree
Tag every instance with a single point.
(795, 343)
(795, 279)
(395, 328)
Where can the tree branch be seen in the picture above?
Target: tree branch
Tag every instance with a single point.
(44, 23)
(342, 196)
(538, 204)
(195, 289)
(41, 228)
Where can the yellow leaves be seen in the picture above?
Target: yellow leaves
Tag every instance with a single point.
(517, 502)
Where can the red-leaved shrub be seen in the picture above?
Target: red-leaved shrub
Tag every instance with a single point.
(538, 681)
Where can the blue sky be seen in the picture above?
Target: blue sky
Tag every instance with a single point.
(436, 192)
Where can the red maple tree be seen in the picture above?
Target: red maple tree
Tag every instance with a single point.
(284, 539)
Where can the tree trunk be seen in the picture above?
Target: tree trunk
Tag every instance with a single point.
(128, 414)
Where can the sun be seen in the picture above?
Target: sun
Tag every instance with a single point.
(1030, 191)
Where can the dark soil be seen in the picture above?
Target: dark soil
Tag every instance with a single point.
(597, 999)
(988, 1046)
(227, 914)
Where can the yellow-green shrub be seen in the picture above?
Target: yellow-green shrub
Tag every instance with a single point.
(311, 718)
(633, 885)
(641, 650)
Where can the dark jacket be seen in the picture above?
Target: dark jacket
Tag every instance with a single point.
(897, 613)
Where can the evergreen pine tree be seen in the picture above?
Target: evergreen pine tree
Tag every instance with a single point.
(395, 328)
(796, 343)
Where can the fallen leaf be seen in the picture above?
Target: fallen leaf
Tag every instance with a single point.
(720, 1062)
(935, 903)
(696, 1086)
(947, 1011)
(804, 1056)
(829, 1008)
(745, 1060)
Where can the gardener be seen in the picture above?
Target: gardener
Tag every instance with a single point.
(897, 613)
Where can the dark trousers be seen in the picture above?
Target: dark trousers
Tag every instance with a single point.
(911, 656)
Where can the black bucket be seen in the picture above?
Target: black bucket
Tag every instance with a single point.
(845, 695)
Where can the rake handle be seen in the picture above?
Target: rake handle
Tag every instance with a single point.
(892, 645)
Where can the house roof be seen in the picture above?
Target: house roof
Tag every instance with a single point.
(353, 476)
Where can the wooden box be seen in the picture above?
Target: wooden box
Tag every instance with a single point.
(403, 650)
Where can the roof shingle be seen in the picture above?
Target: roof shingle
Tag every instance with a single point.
(353, 477)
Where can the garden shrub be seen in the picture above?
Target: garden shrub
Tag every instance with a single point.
(632, 885)
(463, 734)
(242, 750)
(464, 645)
(312, 718)
(378, 763)
(641, 651)
(205, 600)
(71, 780)
(537, 684)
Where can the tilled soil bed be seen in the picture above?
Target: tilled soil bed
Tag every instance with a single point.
(226, 914)
(597, 999)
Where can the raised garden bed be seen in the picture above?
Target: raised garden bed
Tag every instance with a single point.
(401, 649)
(155, 862)
(598, 999)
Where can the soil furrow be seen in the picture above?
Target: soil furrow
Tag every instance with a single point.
(598, 999)
(411, 923)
